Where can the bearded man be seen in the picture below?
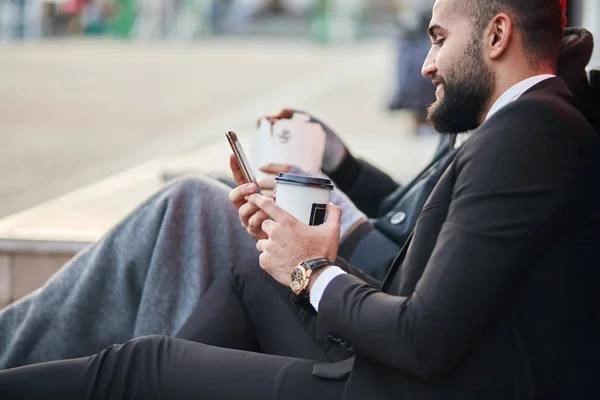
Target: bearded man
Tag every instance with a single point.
(493, 296)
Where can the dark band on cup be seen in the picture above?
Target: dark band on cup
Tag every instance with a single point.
(301, 180)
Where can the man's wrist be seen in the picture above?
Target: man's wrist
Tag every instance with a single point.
(332, 163)
(346, 173)
(313, 277)
(320, 284)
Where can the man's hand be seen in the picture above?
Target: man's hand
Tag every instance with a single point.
(251, 216)
(289, 241)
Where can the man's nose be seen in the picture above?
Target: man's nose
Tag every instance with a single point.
(429, 68)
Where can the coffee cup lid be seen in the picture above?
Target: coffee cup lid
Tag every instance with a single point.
(302, 180)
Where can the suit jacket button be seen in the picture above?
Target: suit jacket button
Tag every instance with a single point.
(398, 218)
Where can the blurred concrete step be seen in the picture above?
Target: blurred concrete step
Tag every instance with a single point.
(21, 272)
(36, 242)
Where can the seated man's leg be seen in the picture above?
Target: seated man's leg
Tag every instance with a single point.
(159, 367)
(144, 277)
(248, 310)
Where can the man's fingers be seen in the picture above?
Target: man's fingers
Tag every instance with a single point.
(261, 245)
(233, 164)
(275, 169)
(268, 205)
(256, 220)
(238, 195)
(246, 211)
(334, 215)
(267, 226)
(267, 183)
(238, 177)
(256, 233)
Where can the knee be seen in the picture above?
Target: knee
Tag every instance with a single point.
(130, 367)
(134, 349)
(134, 353)
(150, 341)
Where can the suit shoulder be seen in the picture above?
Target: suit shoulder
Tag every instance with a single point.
(541, 109)
(538, 116)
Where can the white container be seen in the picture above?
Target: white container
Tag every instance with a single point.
(296, 141)
(304, 197)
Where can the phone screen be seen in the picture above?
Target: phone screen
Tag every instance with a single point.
(240, 156)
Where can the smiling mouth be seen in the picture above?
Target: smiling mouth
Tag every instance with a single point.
(438, 89)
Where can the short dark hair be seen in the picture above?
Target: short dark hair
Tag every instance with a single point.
(540, 21)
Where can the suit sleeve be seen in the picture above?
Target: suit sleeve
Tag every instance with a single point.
(512, 181)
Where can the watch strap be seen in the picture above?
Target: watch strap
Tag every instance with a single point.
(317, 263)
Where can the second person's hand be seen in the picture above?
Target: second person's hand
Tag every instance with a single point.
(335, 149)
(267, 184)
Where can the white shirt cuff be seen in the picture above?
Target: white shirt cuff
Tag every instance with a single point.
(321, 283)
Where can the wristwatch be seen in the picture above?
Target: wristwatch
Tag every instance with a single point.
(300, 275)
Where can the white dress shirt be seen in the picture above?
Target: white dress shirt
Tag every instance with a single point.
(507, 97)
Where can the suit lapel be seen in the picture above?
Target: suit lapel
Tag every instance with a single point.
(442, 163)
(396, 264)
(439, 165)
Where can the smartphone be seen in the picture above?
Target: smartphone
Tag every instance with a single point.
(240, 156)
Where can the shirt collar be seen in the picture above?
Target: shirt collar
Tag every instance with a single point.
(515, 92)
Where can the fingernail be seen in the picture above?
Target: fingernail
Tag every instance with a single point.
(250, 186)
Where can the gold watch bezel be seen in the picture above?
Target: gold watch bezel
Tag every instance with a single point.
(299, 285)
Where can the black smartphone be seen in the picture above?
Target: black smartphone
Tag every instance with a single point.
(240, 156)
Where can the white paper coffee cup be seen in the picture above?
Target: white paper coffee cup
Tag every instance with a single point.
(304, 197)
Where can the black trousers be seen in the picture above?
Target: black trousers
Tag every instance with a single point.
(249, 338)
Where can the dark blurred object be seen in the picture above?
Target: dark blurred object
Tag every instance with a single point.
(413, 92)
(574, 12)
(574, 56)
(275, 6)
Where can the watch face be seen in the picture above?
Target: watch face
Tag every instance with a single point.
(297, 279)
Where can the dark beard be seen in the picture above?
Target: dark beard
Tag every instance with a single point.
(468, 88)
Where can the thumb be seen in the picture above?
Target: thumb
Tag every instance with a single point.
(334, 215)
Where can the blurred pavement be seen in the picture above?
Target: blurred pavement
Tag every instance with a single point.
(73, 112)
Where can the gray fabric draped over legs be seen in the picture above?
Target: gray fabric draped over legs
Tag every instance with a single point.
(143, 278)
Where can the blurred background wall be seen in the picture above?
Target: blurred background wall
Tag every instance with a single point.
(190, 19)
(89, 88)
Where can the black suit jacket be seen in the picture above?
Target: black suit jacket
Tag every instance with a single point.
(383, 199)
(496, 295)
(387, 232)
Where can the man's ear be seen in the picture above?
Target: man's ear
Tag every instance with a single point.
(498, 35)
